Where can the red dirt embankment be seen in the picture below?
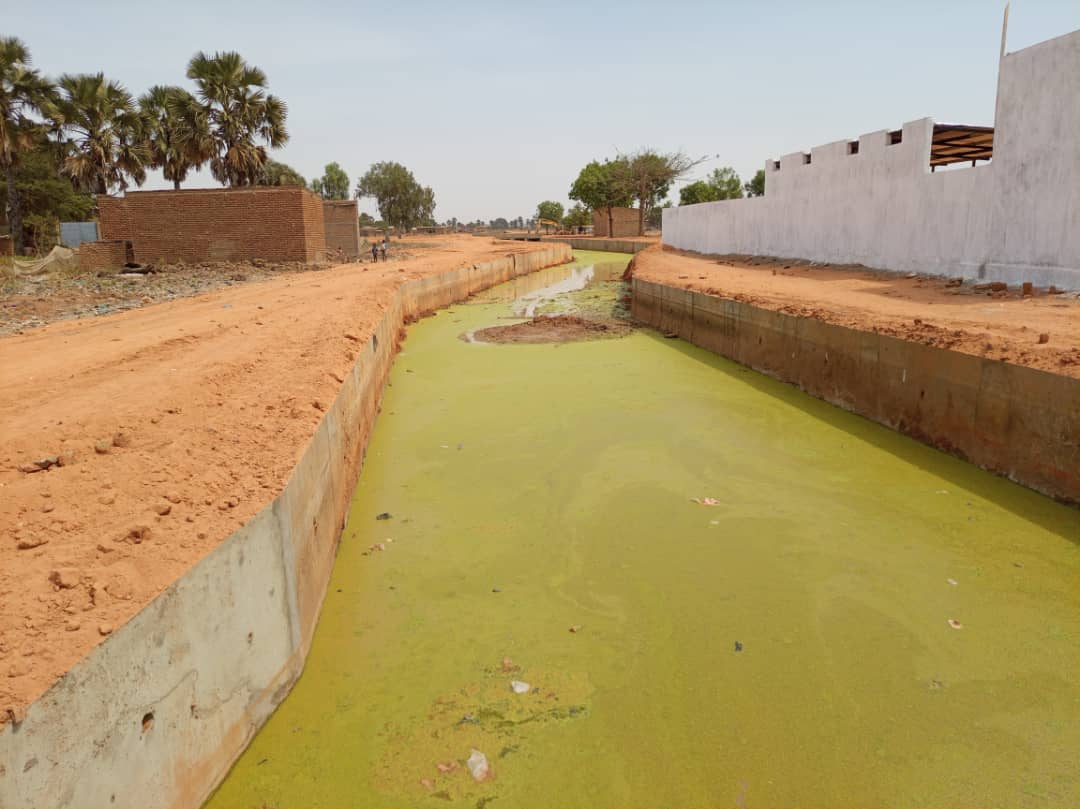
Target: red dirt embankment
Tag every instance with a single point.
(1041, 331)
(174, 425)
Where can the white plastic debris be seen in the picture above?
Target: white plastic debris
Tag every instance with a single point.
(478, 765)
(519, 687)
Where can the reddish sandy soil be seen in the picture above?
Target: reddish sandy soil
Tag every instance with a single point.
(175, 424)
(553, 329)
(926, 309)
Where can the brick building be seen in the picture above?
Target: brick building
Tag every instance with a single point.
(342, 225)
(625, 221)
(280, 223)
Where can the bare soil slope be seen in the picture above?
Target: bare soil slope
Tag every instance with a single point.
(1041, 331)
(172, 424)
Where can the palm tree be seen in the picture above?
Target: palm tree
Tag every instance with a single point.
(176, 134)
(24, 94)
(104, 133)
(239, 113)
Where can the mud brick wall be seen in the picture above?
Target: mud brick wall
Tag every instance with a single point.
(625, 220)
(220, 224)
(342, 225)
(106, 255)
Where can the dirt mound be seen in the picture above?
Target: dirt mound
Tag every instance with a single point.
(553, 329)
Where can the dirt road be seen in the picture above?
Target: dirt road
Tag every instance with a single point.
(1001, 325)
(175, 423)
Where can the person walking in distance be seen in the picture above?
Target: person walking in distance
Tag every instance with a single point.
(383, 249)
(375, 252)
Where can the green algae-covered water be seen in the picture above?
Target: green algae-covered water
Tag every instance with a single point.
(789, 646)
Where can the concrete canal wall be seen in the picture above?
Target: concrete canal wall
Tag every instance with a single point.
(154, 717)
(1015, 421)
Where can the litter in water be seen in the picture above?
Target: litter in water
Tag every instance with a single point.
(448, 767)
(951, 581)
(575, 628)
(478, 765)
(705, 501)
(384, 516)
(738, 646)
(955, 624)
(520, 687)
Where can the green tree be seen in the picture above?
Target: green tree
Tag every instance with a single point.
(46, 196)
(275, 173)
(366, 220)
(649, 175)
(756, 186)
(700, 191)
(499, 223)
(603, 186)
(727, 183)
(334, 184)
(656, 214)
(549, 209)
(25, 95)
(402, 201)
(722, 183)
(172, 145)
(103, 131)
(240, 116)
(577, 216)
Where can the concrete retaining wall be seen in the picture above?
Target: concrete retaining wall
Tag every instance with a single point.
(1015, 421)
(154, 717)
(1015, 219)
(606, 245)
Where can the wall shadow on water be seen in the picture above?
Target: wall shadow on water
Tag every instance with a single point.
(1058, 518)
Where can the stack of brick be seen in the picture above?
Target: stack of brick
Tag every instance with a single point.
(625, 222)
(222, 224)
(342, 225)
(105, 255)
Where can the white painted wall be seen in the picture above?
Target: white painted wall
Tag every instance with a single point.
(1015, 219)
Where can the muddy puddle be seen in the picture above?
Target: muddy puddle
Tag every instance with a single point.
(628, 573)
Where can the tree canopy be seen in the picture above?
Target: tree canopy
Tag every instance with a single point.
(549, 209)
(656, 214)
(46, 197)
(403, 202)
(756, 186)
(650, 175)
(722, 183)
(163, 111)
(240, 116)
(334, 184)
(602, 186)
(25, 96)
(103, 131)
(577, 216)
(275, 173)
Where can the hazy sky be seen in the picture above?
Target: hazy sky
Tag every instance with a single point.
(498, 105)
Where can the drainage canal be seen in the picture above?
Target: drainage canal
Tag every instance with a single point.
(628, 573)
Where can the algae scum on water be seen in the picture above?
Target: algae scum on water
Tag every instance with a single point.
(628, 573)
